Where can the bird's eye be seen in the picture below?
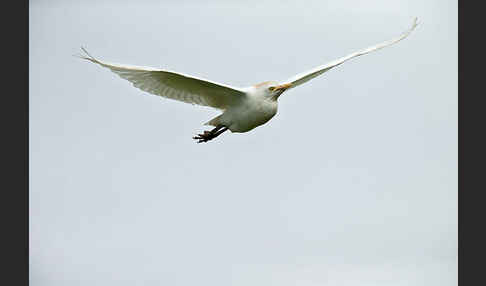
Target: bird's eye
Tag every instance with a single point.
(271, 88)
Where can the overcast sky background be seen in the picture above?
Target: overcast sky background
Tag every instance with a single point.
(353, 182)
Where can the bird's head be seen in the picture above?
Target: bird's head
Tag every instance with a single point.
(272, 89)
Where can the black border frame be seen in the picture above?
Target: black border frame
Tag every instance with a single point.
(14, 119)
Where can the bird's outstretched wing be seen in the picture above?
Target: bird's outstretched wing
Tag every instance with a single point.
(175, 85)
(308, 75)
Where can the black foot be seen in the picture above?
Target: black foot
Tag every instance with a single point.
(209, 135)
(204, 137)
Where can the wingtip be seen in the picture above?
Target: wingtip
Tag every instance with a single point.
(86, 56)
(86, 52)
(415, 22)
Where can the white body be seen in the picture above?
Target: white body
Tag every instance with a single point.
(243, 108)
(254, 110)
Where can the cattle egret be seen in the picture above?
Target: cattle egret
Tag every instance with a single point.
(243, 108)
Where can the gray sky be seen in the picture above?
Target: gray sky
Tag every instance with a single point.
(353, 182)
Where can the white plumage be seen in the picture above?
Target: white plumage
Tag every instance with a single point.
(243, 108)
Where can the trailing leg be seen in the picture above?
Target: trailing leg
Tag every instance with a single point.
(209, 135)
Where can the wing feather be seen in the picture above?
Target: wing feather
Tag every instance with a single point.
(308, 75)
(174, 85)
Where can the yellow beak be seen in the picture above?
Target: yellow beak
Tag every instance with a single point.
(283, 87)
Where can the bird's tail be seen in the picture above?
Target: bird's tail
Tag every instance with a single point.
(214, 122)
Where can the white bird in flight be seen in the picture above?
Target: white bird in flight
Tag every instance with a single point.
(243, 108)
